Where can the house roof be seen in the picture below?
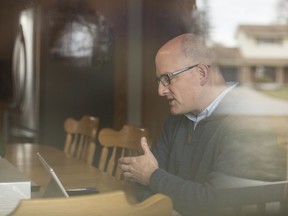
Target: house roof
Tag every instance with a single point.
(232, 56)
(262, 29)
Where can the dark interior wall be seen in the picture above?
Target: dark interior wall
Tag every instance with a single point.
(66, 90)
(69, 92)
(117, 16)
(8, 27)
(69, 88)
(105, 88)
(161, 22)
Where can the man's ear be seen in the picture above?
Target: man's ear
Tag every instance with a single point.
(203, 70)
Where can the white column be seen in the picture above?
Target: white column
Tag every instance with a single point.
(279, 75)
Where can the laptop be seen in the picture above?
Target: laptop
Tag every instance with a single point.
(56, 189)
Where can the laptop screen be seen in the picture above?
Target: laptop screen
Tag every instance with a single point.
(55, 188)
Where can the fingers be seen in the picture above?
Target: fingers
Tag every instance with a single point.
(144, 145)
(127, 172)
(128, 176)
(125, 168)
(124, 160)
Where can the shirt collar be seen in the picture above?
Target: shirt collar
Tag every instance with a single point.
(211, 107)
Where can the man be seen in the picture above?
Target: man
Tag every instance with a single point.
(205, 140)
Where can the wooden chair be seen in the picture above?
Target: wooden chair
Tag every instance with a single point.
(263, 199)
(116, 144)
(81, 137)
(112, 203)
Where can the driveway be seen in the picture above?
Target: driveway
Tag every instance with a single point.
(261, 104)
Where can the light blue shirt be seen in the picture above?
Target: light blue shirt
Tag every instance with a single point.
(210, 109)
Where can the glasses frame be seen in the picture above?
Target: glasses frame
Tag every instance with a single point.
(166, 78)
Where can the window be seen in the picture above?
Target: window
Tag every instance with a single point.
(264, 73)
(269, 41)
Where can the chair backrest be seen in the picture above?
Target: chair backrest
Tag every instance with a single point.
(264, 199)
(112, 203)
(116, 144)
(81, 137)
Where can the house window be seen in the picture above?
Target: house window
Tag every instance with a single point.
(269, 41)
(264, 73)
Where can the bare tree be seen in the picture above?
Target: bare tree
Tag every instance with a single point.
(196, 19)
(282, 11)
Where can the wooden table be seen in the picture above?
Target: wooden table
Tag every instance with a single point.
(72, 172)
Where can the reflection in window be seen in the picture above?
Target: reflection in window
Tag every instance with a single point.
(76, 40)
(84, 38)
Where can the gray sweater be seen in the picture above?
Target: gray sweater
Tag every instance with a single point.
(226, 143)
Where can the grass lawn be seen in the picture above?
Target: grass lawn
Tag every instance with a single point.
(281, 93)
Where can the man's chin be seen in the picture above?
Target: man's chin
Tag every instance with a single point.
(175, 111)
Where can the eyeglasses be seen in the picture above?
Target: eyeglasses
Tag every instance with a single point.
(165, 79)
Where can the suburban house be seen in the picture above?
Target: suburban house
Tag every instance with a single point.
(261, 57)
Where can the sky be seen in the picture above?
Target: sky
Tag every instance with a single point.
(226, 15)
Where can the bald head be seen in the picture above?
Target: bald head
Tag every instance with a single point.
(187, 46)
(195, 84)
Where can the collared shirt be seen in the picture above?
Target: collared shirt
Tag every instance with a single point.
(212, 106)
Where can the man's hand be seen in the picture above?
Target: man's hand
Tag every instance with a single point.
(139, 169)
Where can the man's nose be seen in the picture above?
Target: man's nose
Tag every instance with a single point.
(162, 90)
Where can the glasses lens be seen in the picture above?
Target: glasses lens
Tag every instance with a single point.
(165, 80)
